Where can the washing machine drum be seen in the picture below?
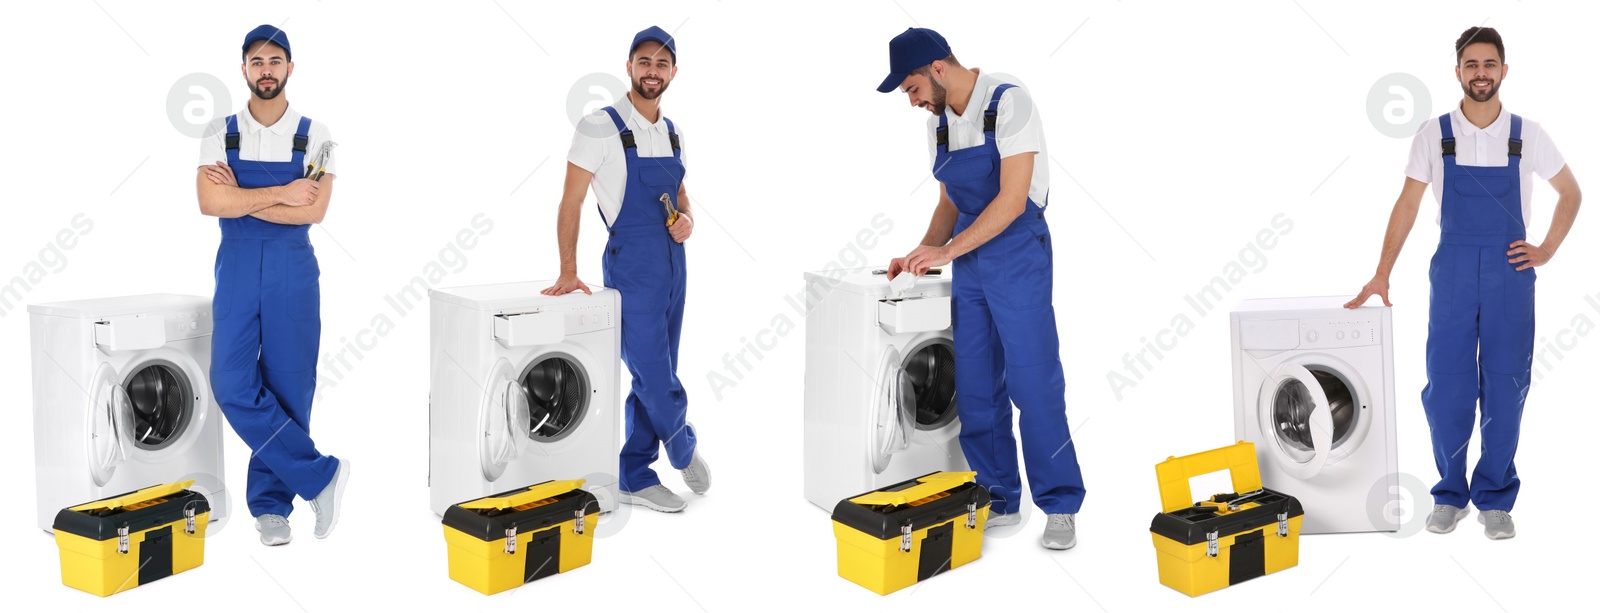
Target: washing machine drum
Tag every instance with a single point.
(558, 397)
(137, 417)
(931, 372)
(544, 403)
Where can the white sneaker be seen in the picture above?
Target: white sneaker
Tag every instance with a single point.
(1444, 517)
(656, 498)
(274, 530)
(998, 520)
(327, 504)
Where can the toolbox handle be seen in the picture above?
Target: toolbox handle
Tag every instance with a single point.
(533, 493)
(1173, 475)
(926, 486)
(131, 498)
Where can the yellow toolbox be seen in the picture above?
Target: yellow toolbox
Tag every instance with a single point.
(891, 538)
(1231, 538)
(126, 541)
(511, 538)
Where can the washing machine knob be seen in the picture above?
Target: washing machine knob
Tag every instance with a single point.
(1355, 334)
(1339, 335)
(1311, 336)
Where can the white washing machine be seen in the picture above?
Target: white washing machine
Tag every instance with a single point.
(1314, 390)
(880, 395)
(524, 389)
(122, 400)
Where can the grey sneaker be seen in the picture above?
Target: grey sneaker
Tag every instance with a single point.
(697, 476)
(657, 498)
(1497, 524)
(1060, 531)
(1444, 518)
(274, 530)
(328, 503)
(999, 520)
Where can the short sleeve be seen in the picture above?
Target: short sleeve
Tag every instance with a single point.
(1423, 151)
(211, 145)
(1545, 159)
(588, 150)
(933, 145)
(1017, 127)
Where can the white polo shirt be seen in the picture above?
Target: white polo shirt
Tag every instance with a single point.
(597, 148)
(1014, 132)
(274, 143)
(1486, 147)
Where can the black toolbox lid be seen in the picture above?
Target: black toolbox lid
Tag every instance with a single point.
(489, 524)
(139, 510)
(1190, 525)
(884, 521)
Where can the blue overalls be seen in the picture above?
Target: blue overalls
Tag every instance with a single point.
(264, 343)
(1480, 328)
(1005, 338)
(646, 265)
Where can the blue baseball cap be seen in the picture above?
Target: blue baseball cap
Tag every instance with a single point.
(912, 49)
(656, 34)
(267, 33)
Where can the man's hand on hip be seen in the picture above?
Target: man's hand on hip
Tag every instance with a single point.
(1528, 255)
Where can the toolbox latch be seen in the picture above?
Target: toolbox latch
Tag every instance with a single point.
(122, 538)
(905, 537)
(511, 540)
(1211, 543)
(1283, 524)
(188, 520)
(577, 525)
(972, 515)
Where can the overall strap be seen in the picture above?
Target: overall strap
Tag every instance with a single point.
(1447, 140)
(941, 134)
(1515, 150)
(628, 146)
(991, 114)
(230, 142)
(672, 135)
(302, 140)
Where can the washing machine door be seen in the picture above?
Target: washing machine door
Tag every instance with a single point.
(894, 411)
(1296, 420)
(502, 422)
(108, 429)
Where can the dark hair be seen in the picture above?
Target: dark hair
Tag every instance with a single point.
(1480, 35)
(949, 59)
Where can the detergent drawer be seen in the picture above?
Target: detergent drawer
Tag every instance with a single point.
(914, 315)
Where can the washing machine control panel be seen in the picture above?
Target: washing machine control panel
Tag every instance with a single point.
(188, 324)
(1333, 333)
(589, 319)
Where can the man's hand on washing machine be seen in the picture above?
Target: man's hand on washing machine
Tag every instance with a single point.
(566, 284)
(924, 257)
(1379, 286)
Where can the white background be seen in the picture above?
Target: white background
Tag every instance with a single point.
(1185, 127)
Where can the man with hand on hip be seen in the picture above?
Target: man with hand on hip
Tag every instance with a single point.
(1479, 159)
